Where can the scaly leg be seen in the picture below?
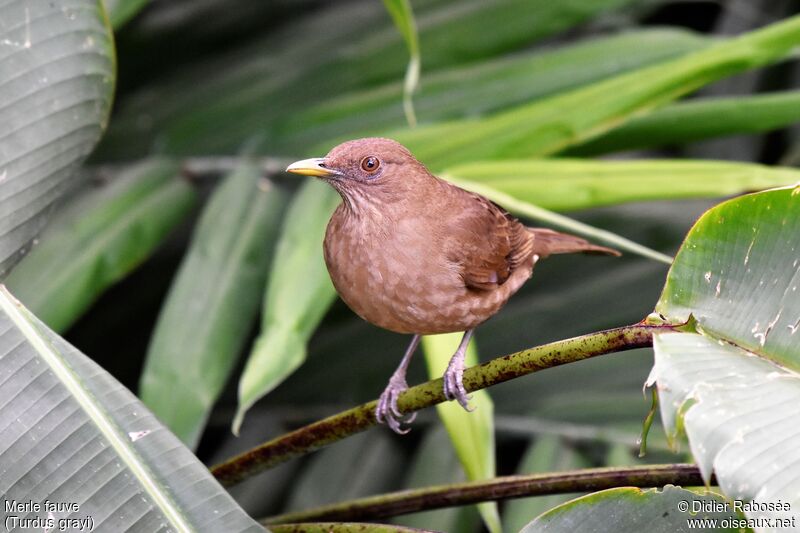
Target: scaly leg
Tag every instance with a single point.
(387, 411)
(453, 382)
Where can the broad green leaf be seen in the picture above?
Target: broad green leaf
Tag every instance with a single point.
(100, 237)
(736, 410)
(212, 303)
(732, 385)
(738, 275)
(482, 88)
(571, 184)
(403, 17)
(74, 435)
(214, 106)
(699, 119)
(434, 463)
(550, 125)
(471, 434)
(548, 453)
(298, 294)
(631, 509)
(121, 11)
(53, 112)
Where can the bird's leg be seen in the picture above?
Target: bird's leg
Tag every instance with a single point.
(453, 382)
(387, 411)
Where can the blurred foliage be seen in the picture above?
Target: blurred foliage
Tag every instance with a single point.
(570, 184)
(699, 119)
(502, 85)
(435, 464)
(548, 453)
(213, 302)
(214, 104)
(100, 238)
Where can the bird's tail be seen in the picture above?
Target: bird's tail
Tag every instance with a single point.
(548, 242)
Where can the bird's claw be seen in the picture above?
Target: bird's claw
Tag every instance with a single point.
(454, 386)
(387, 411)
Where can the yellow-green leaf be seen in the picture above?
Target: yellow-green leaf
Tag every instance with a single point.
(472, 434)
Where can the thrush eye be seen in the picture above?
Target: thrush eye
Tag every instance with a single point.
(370, 164)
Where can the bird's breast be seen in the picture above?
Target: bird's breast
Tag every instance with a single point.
(395, 276)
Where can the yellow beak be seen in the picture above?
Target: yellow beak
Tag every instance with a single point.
(311, 167)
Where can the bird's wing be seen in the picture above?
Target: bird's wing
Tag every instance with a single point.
(485, 242)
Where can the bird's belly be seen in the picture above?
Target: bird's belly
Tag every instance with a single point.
(422, 306)
(398, 291)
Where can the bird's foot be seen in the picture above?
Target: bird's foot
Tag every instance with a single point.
(454, 384)
(387, 412)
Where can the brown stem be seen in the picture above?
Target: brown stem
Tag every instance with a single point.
(342, 527)
(341, 425)
(412, 501)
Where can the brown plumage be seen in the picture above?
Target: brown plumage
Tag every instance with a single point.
(412, 253)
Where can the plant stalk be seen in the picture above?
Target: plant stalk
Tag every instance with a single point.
(436, 497)
(342, 527)
(336, 427)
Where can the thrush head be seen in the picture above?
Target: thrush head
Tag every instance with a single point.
(366, 170)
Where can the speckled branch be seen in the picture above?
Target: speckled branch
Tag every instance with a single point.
(436, 497)
(341, 425)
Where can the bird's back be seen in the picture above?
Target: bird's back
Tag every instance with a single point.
(490, 244)
(484, 240)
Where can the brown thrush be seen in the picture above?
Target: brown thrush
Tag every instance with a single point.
(412, 253)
